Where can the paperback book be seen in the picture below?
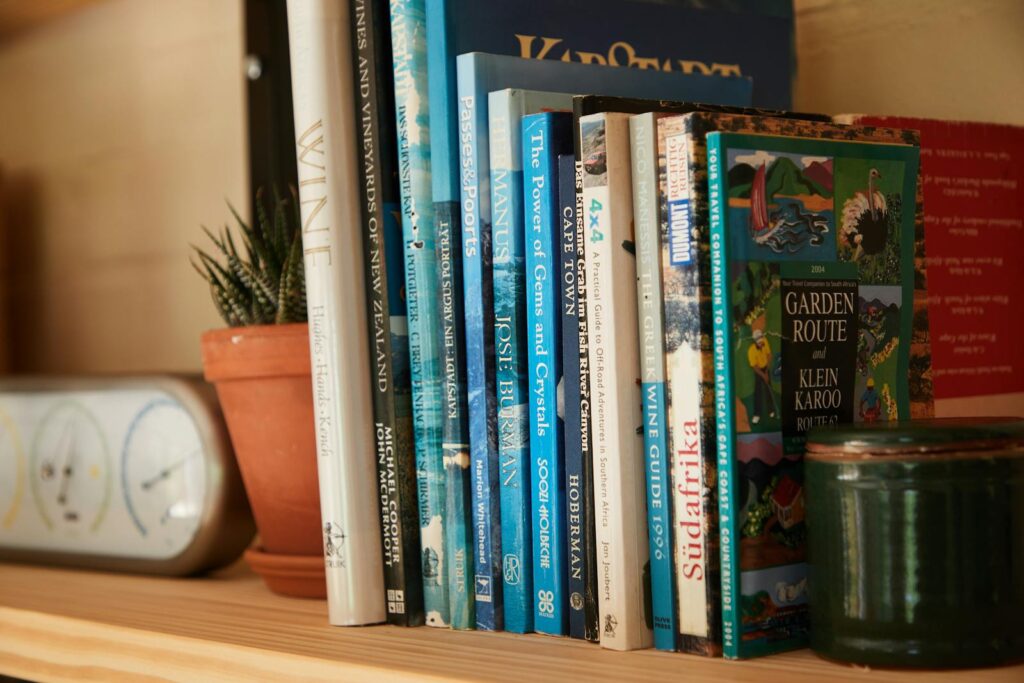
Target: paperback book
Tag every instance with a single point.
(545, 136)
(385, 284)
(813, 298)
(422, 279)
(621, 531)
(321, 54)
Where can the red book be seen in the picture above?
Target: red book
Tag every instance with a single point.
(973, 179)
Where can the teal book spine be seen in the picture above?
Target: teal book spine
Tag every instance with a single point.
(813, 278)
(644, 154)
(544, 137)
(422, 277)
(448, 225)
(512, 381)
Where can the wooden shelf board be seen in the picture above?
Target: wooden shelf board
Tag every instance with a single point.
(73, 625)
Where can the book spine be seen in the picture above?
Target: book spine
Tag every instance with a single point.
(332, 257)
(447, 222)
(576, 559)
(721, 315)
(643, 153)
(512, 370)
(543, 137)
(591, 611)
(621, 531)
(385, 280)
(422, 277)
(480, 369)
(689, 383)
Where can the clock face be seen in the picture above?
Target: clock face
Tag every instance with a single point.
(70, 470)
(12, 471)
(163, 474)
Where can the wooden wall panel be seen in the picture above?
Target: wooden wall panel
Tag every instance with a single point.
(945, 59)
(123, 130)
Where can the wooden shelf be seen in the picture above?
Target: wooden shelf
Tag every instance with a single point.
(60, 625)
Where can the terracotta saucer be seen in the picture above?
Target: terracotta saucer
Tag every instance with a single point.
(297, 576)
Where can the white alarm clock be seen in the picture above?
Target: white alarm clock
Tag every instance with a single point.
(132, 473)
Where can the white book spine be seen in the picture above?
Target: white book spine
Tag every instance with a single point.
(318, 32)
(618, 458)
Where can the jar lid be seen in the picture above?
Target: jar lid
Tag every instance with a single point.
(916, 437)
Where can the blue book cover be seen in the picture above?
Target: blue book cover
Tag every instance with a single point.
(478, 75)
(791, 219)
(444, 191)
(505, 111)
(545, 136)
(573, 449)
(752, 38)
(422, 277)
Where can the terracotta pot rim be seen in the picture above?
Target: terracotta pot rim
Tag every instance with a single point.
(239, 353)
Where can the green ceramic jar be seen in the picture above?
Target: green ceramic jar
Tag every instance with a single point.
(916, 543)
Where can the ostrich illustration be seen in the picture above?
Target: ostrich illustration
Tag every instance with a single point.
(866, 220)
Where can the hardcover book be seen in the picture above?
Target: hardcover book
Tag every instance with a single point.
(478, 75)
(448, 228)
(575, 492)
(618, 467)
(690, 391)
(422, 280)
(389, 335)
(813, 292)
(749, 38)
(321, 55)
(974, 211)
(544, 137)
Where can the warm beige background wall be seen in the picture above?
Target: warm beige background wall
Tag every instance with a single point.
(953, 59)
(122, 128)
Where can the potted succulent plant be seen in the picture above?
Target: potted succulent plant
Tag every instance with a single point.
(260, 367)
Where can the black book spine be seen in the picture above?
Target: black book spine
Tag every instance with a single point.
(392, 390)
(590, 609)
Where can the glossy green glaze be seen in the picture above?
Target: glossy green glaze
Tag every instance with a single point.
(916, 559)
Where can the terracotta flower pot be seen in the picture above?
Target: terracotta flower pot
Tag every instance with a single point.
(262, 376)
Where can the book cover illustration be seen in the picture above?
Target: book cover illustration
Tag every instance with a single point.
(577, 559)
(544, 137)
(478, 75)
(616, 421)
(422, 279)
(971, 179)
(444, 176)
(812, 261)
(389, 333)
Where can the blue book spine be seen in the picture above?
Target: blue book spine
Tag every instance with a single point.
(408, 37)
(573, 448)
(480, 363)
(512, 379)
(644, 153)
(444, 191)
(544, 137)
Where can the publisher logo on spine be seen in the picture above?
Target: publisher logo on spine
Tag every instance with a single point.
(677, 195)
(512, 570)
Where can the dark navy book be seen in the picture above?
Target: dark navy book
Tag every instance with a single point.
(752, 38)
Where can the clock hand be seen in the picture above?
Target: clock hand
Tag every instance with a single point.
(166, 472)
(68, 470)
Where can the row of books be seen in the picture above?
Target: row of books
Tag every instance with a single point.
(599, 327)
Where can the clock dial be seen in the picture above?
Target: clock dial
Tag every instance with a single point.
(70, 469)
(12, 471)
(163, 474)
